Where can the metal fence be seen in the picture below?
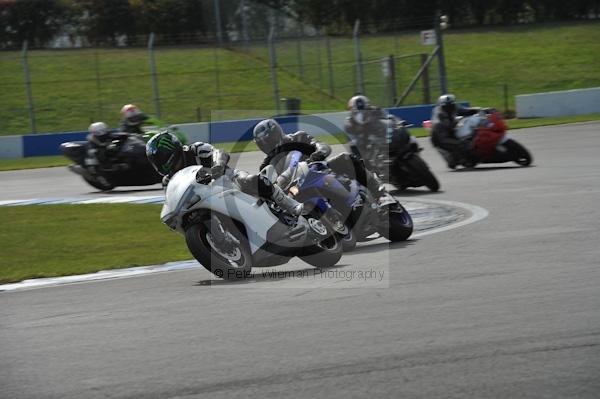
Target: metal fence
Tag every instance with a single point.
(61, 90)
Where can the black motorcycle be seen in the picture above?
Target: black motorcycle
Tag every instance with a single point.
(396, 159)
(122, 162)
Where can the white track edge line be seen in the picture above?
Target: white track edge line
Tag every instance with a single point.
(477, 213)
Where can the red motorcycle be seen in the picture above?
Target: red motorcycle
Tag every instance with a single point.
(486, 133)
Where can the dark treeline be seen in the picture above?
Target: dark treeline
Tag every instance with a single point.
(385, 15)
(125, 22)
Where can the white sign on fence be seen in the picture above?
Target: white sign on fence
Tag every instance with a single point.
(428, 37)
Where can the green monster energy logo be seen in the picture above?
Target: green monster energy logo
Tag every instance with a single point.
(165, 142)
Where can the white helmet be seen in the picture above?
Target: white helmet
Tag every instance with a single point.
(359, 107)
(359, 102)
(447, 103)
(132, 115)
(98, 133)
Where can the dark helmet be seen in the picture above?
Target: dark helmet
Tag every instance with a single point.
(268, 135)
(447, 103)
(164, 152)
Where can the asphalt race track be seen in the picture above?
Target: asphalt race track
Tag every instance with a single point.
(505, 307)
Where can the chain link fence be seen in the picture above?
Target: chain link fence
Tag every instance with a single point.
(49, 90)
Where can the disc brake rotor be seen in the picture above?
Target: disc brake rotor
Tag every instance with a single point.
(232, 254)
(317, 226)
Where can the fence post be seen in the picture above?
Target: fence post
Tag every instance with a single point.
(359, 71)
(320, 67)
(299, 54)
(441, 58)
(273, 58)
(28, 88)
(330, 67)
(218, 21)
(391, 72)
(98, 86)
(153, 75)
(217, 76)
(505, 90)
(426, 84)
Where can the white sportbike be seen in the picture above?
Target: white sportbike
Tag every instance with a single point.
(229, 231)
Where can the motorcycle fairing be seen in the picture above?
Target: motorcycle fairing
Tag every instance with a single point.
(223, 196)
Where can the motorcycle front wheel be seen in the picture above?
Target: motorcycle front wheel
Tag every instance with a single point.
(104, 186)
(419, 168)
(398, 226)
(230, 259)
(519, 154)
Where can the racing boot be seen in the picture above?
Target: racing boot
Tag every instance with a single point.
(286, 203)
(383, 198)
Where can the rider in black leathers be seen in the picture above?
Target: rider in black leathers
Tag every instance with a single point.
(443, 134)
(279, 148)
(102, 147)
(366, 125)
(166, 153)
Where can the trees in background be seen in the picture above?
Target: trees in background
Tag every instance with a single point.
(31, 20)
(112, 22)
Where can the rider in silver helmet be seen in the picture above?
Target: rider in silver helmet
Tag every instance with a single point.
(285, 151)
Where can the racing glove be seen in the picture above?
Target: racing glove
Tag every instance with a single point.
(217, 171)
(203, 176)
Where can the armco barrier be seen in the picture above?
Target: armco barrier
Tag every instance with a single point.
(11, 147)
(48, 144)
(416, 115)
(558, 103)
(214, 132)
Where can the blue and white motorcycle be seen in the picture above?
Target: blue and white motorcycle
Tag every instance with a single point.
(348, 205)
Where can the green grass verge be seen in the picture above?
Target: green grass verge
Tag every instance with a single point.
(58, 160)
(67, 95)
(34, 162)
(59, 240)
(100, 237)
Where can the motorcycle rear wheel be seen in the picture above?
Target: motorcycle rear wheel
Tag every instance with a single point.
(344, 231)
(227, 263)
(328, 251)
(417, 165)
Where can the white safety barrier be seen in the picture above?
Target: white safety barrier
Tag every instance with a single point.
(559, 103)
(11, 147)
(199, 131)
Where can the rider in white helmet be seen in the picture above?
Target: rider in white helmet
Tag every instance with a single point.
(133, 120)
(101, 143)
(362, 115)
(443, 130)
(367, 125)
